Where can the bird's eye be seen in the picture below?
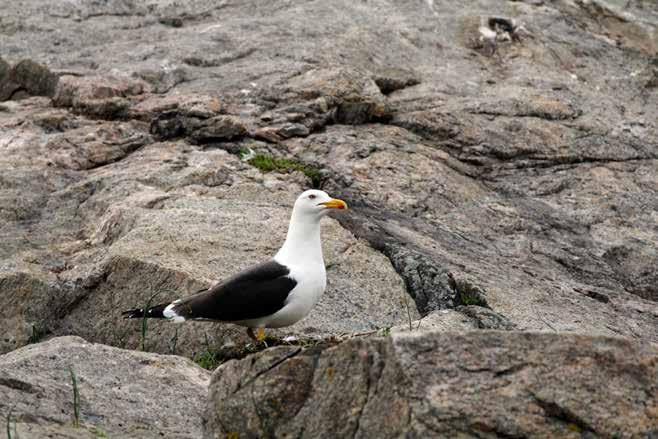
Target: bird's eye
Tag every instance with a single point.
(312, 197)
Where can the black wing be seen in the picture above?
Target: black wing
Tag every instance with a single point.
(256, 292)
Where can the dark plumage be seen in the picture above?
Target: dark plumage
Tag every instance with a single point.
(257, 292)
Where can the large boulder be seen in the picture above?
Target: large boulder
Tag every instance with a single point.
(120, 393)
(441, 384)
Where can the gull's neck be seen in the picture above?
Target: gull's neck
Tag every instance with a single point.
(303, 244)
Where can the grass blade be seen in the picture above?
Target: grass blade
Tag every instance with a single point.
(9, 435)
(76, 398)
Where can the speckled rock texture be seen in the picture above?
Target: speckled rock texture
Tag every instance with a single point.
(441, 384)
(500, 159)
(122, 393)
(508, 147)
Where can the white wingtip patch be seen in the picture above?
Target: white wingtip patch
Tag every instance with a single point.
(171, 314)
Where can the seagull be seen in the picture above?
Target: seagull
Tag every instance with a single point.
(273, 294)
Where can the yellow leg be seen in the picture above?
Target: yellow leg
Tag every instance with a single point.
(260, 334)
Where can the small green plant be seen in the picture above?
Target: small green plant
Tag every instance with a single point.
(385, 332)
(97, 432)
(467, 294)
(211, 358)
(38, 332)
(144, 325)
(245, 153)
(11, 435)
(76, 398)
(470, 295)
(208, 360)
(268, 163)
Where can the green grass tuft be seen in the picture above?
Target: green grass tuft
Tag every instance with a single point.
(38, 332)
(469, 294)
(97, 432)
(9, 424)
(209, 360)
(268, 163)
(76, 398)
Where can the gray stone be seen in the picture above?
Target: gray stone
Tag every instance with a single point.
(26, 78)
(121, 393)
(293, 130)
(485, 318)
(441, 384)
(103, 97)
(217, 129)
(392, 79)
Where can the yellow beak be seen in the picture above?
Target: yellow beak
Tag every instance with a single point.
(335, 204)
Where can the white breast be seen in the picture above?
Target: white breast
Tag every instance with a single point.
(311, 283)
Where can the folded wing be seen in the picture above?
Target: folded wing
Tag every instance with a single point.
(256, 292)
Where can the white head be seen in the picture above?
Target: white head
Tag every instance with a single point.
(314, 204)
(303, 240)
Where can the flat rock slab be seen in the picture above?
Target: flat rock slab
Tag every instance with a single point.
(123, 393)
(442, 384)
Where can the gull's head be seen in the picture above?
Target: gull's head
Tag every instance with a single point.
(316, 204)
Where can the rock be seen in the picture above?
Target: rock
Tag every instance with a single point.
(217, 129)
(469, 384)
(355, 96)
(163, 78)
(635, 266)
(4, 70)
(443, 320)
(152, 106)
(122, 393)
(26, 78)
(430, 287)
(485, 318)
(410, 198)
(103, 97)
(293, 130)
(462, 318)
(28, 314)
(269, 134)
(86, 148)
(392, 79)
